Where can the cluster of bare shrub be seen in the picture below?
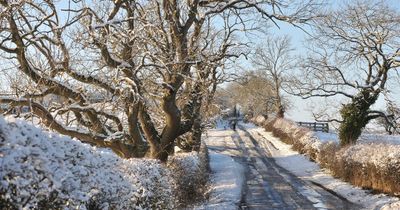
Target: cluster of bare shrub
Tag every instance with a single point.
(190, 172)
(368, 165)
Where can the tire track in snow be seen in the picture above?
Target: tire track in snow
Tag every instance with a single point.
(265, 187)
(320, 197)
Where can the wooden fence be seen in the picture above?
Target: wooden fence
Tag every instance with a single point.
(315, 126)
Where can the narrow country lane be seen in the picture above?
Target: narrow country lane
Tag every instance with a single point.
(267, 185)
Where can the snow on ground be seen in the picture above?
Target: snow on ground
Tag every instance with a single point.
(380, 138)
(221, 124)
(227, 175)
(226, 182)
(364, 138)
(326, 137)
(302, 167)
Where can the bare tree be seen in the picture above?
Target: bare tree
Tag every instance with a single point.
(253, 92)
(274, 58)
(355, 52)
(122, 69)
(391, 123)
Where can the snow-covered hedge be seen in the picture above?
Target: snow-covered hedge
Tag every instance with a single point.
(302, 139)
(46, 171)
(368, 165)
(372, 166)
(190, 172)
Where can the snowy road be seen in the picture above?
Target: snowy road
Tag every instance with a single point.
(267, 185)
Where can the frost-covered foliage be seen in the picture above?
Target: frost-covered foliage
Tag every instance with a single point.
(47, 171)
(373, 166)
(380, 155)
(190, 172)
(370, 165)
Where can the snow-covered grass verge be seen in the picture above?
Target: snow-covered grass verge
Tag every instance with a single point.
(226, 174)
(226, 183)
(368, 165)
(42, 170)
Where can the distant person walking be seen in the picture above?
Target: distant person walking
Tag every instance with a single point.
(234, 118)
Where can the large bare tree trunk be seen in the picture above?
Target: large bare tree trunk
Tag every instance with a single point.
(356, 116)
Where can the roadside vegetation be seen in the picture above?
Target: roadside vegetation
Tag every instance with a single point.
(42, 170)
(371, 165)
